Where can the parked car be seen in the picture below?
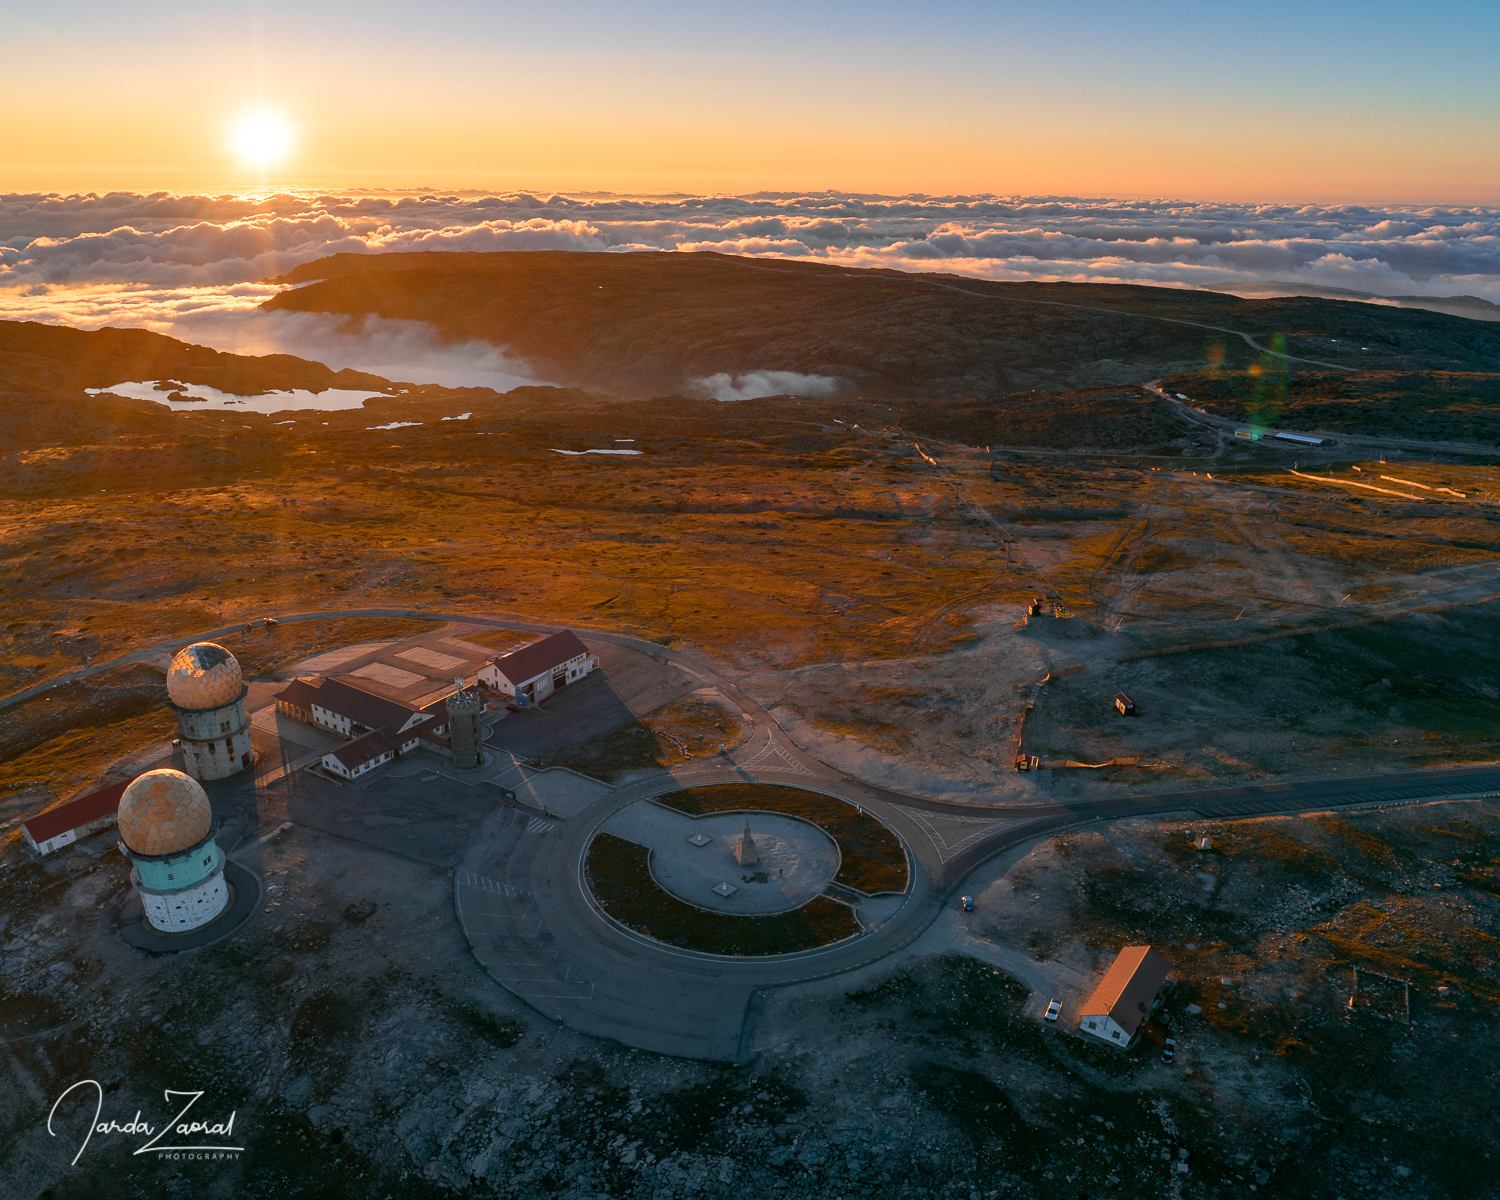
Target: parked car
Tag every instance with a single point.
(1168, 1050)
(1054, 1010)
(967, 902)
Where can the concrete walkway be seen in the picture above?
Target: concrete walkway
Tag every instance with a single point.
(797, 859)
(130, 918)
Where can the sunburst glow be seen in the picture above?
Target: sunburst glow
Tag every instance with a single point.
(262, 139)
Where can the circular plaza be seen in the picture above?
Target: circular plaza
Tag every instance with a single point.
(744, 870)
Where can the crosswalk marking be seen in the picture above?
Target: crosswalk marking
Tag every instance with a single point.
(491, 885)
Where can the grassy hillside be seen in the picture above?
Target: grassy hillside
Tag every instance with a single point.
(638, 324)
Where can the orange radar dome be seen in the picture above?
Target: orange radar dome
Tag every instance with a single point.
(164, 812)
(204, 675)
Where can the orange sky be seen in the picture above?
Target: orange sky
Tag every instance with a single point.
(496, 99)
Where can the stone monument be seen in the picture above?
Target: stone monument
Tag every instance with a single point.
(744, 852)
(465, 734)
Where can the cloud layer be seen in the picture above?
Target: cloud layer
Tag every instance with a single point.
(760, 384)
(192, 265)
(167, 241)
(404, 351)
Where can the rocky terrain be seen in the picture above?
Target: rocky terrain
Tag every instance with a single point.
(46, 360)
(1439, 406)
(864, 560)
(862, 563)
(364, 1053)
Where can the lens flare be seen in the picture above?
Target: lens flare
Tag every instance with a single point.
(262, 139)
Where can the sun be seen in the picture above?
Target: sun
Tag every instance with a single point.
(262, 139)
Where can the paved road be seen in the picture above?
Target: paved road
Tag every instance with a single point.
(1225, 425)
(519, 894)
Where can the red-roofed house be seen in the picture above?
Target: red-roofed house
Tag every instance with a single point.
(538, 670)
(1124, 996)
(65, 824)
(335, 705)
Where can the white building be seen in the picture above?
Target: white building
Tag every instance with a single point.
(379, 729)
(206, 691)
(65, 824)
(536, 671)
(1124, 996)
(336, 706)
(364, 754)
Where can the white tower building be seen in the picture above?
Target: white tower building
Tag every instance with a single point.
(167, 831)
(207, 692)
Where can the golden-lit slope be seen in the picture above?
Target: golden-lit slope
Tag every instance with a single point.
(638, 324)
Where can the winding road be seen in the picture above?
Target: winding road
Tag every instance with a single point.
(532, 924)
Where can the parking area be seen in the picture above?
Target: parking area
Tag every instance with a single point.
(627, 684)
(432, 820)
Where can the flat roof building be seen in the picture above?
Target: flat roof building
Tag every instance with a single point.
(379, 729)
(339, 707)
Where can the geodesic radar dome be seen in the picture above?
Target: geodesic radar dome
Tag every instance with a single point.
(204, 675)
(164, 812)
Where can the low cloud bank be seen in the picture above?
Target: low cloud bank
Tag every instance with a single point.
(405, 351)
(226, 318)
(192, 266)
(759, 384)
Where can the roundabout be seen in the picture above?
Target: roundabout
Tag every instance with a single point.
(696, 859)
(535, 925)
(610, 921)
(742, 871)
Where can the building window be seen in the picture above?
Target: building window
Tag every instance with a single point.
(223, 726)
(169, 877)
(1115, 1035)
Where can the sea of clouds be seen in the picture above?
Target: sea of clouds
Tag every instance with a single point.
(194, 266)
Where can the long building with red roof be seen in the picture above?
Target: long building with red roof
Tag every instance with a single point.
(65, 824)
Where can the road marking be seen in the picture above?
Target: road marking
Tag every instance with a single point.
(537, 825)
(774, 757)
(503, 933)
(983, 827)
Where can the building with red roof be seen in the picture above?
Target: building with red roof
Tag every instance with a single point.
(363, 754)
(534, 672)
(1124, 996)
(65, 824)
